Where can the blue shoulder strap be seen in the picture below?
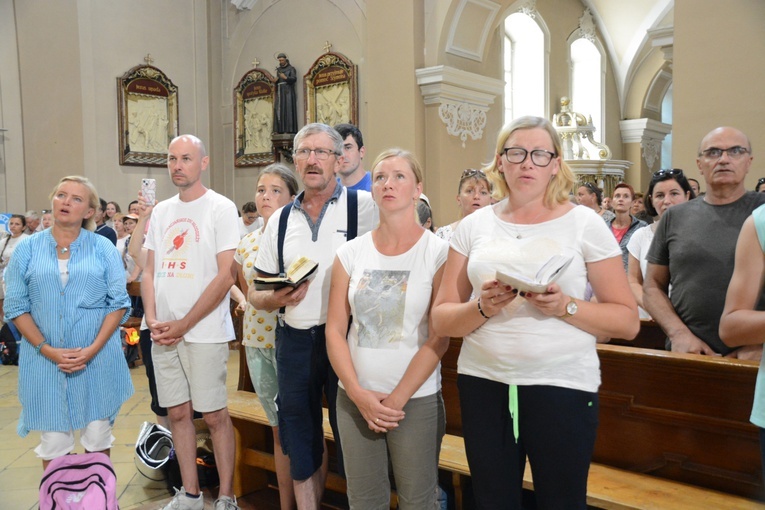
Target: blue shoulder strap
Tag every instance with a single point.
(759, 224)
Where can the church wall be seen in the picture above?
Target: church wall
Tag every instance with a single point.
(69, 90)
(719, 69)
(51, 93)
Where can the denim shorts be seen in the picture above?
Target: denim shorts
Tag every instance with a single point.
(304, 374)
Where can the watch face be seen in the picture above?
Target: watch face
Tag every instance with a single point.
(571, 308)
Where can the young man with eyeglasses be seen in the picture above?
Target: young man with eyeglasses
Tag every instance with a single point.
(694, 246)
(316, 225)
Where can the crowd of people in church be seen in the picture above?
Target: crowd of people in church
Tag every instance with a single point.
(368, 329)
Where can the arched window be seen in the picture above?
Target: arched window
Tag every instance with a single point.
(525, 66)
(587, 81)
(666, 118)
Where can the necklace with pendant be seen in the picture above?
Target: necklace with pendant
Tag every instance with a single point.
(63, 249)
(518, 235)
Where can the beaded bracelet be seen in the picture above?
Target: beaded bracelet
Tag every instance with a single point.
(39, 346)
(480, 310)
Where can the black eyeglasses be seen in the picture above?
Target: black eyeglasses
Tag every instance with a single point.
(667, 173)
(518, 155)
(761, 180)
(734, 152)
(46, 211)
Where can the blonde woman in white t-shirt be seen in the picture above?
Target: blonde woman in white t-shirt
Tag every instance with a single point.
(528, 368)
(277, 186)
(389, 403)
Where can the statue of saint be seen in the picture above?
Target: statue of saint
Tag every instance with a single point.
(285, 112)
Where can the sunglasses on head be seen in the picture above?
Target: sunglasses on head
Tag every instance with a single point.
(470, 172)
(667, 173)
(590, 186)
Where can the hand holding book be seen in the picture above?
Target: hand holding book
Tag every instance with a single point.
(547, 274)
(301, 270)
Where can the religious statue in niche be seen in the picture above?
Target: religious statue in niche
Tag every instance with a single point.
(330, 90)
(148, 115)
(254, 118)
(285, 114)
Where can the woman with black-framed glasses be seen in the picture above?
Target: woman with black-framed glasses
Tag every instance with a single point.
(473, 193)
(667, 188)
(529, 358)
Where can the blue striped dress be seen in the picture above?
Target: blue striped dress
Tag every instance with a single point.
(68, 317)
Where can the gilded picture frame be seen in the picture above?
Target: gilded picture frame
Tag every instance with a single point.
(148, 116)
(331, 91)
(254, 98)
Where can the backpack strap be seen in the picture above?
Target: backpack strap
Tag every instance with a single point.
(352, 230)
(283, 217)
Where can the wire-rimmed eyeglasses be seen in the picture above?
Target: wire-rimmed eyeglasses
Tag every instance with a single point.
(320, 154)
(539, 157)
(734, 152)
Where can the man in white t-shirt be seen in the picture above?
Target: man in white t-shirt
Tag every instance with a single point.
(317, 225)
(189, 271)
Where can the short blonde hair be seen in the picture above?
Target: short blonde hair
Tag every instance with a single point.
(559, 187)
(403, 154)
(93, 201)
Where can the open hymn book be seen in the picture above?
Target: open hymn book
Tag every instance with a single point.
(301, 270)
(547, 274)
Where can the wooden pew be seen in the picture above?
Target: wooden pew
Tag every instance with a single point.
(682, 417)
(679, 417)
(674, 431)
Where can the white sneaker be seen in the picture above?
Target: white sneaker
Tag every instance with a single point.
(226, 503)
(182, 502)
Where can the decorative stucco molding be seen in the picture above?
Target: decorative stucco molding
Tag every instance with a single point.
(649, 133)
(587, 26)
(529, 8)
(463, 98)
(243, 5)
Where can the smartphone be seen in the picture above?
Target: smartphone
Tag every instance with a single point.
(149, 191)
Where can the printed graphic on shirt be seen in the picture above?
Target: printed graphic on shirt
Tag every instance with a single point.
(380, 300)
(179, 238)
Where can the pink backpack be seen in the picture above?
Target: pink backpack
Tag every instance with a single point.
(79, 482)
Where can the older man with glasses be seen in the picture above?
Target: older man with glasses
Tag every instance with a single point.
(320, 220)
(700, 265)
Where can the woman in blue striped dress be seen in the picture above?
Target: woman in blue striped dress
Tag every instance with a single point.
(66, 293)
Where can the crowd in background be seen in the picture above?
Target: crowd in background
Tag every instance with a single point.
(370, 328)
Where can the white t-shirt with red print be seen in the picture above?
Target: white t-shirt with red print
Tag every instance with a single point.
(186, 238)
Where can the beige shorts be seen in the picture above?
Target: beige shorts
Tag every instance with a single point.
(191, 372)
